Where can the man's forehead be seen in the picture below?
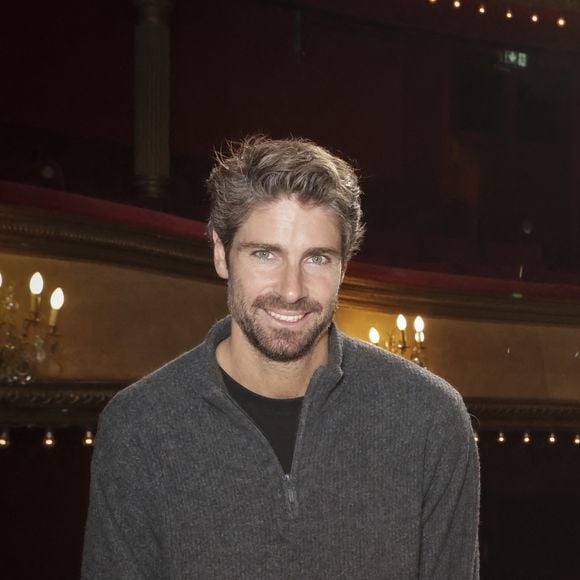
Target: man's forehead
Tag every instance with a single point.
(291, 220)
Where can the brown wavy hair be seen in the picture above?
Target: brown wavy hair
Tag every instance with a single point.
(259, 169)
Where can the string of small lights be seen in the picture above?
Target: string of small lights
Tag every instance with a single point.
(526, 438)
(520, 13)
(48, 440)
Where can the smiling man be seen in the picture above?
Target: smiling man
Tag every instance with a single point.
(284, 449)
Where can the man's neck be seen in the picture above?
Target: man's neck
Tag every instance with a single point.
(277, 380)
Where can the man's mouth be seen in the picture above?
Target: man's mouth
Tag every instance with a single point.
(286, 317)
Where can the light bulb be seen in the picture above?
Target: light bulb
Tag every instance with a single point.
(374, 335)
(401, 322)
(4, 440)
(577, 440)
(535, 18)
(552, 438)
(501, 437)
(561, 22)
(36, 283)
(509, 14)
(457, 4)
(526, 438)
(88, 439)
(482, 9)
(57, 299)
(48, 440)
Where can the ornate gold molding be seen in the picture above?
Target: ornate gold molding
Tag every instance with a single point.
(380, 296)
(523, 414)
(40, 232)
(55, 404)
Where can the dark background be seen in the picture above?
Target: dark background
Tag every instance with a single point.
(468, 165)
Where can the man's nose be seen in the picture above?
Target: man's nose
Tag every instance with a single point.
(291, 284)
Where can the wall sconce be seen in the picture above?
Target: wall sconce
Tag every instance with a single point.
(397, 339)
(22, 351)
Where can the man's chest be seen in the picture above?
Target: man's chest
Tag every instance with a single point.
(351, 499)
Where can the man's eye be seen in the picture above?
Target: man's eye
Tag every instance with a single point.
(319, 260)
(263, 254)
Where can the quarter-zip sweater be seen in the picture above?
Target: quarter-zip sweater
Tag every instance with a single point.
(384, 481)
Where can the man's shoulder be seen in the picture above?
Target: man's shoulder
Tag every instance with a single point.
(177, 383)
(383, 372)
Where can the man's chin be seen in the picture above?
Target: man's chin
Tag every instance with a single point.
(285, 355)
(285, 345)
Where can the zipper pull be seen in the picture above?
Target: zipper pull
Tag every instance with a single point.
(291, 496)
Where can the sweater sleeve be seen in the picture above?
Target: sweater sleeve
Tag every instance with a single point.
(120, 535)
(450, 517)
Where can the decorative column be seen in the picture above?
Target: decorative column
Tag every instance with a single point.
(152, 66)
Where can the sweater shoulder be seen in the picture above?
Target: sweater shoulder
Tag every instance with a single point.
(382, 374)
(177, 383)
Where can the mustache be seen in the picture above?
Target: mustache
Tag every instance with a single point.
(273, 302)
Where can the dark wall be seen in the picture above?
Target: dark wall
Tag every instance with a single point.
(449, 142)
(43, 505)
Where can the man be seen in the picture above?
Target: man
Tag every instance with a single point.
(280, 448)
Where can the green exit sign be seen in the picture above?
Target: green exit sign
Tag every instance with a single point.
(514, 58)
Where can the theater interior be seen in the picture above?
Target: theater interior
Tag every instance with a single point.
(463, 118)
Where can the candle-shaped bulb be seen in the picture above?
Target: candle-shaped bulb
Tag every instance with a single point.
(57, 299)
(419, 324)
(56, 302)
(36, 283)
(401, 325)
(374, 335)
(401, 322)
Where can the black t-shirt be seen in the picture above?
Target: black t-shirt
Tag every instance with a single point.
(276, 418)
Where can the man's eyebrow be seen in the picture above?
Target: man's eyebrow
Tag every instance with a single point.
(331, 251)
(259, 246)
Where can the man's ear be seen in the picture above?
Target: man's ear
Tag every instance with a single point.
(219, 257)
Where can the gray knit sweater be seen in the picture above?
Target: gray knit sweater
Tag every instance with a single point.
(384, 481)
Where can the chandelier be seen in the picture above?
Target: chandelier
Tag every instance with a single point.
(30, 341)
(396, 341)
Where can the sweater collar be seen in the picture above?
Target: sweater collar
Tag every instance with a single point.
(322, 383)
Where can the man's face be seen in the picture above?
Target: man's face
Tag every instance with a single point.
(284, 272)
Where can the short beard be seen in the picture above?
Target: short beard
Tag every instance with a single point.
(280, 345)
